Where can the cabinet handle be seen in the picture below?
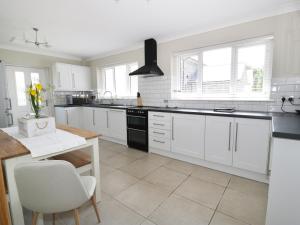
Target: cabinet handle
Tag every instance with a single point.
(67, 115)
(161, 116)
(106, 119)
(162, 142)
(94, 117)
(73, 80)
(236, 136)
(158, 124)
(229, 141)
(59, 80)
(9, 101)
(172, 127)
(155, 132)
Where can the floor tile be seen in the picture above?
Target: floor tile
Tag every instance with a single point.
(205, 193)
(104, 169)
(212, 176)
(143, 197)
(166, 178)
(177, 210)
(249, 208)
(134, 153)
(180, 166)
(105, 154)
(141, 167)
(117, 148)
(221, 219)
(147, 222)
(158, 159)
(248, 186)
(119, 161)
(115, 182)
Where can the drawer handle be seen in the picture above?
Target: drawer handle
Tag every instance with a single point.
(158, 116)
(158, 124)
(161, 142)
(155, 132)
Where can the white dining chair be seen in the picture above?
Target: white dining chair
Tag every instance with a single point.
(54, 186)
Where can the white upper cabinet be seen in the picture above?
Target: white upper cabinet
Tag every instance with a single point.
(117, 124)
(68, 77)
(251, 147)
(219, 139)
(187, 134)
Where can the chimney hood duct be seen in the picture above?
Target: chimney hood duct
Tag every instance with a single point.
(151, 68)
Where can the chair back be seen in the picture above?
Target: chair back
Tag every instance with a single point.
(49, 186)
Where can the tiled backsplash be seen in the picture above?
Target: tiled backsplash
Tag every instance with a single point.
(155, 90)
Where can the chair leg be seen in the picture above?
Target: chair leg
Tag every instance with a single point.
(76, 216)
(93, 200)
(35, 216)
(53, 218)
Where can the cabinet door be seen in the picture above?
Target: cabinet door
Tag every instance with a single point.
(74, 117)
(88, 119)
(60, 115)
(81, 76)
(251, 147)
(219, 139)
(117, 124)
(63, 77)
(187, 134)
(101, 122)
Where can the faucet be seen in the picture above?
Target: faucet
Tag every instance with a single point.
(111, 96)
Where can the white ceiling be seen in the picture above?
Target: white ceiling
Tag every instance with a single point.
(92, 28)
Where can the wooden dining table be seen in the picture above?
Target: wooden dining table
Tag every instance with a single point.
(13, 152)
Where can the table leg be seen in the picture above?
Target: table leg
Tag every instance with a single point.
(4, 210)
(96, 166)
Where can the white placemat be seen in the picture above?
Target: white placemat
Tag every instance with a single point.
(47, 144)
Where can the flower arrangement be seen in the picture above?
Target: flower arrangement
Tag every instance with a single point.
(35, 92)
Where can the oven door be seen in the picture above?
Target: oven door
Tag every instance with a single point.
(137, 122)
(137, 139)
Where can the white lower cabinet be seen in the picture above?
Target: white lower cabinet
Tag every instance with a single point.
(68, 116)
(187, 134)
(100, 118)
(88, 120)
(117, 124)
(238, 142)
(219, 139)
(252, 140)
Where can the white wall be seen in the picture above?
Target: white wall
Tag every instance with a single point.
(286, 61)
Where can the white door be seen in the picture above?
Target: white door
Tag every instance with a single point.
(88, 118)
(187, 134)
(61, 115)
(18, 80)
(117, 124)
(74, 114)
(101, 121)
(81, 78)
(219, 139)
(251, 147)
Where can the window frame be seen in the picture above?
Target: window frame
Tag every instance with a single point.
(176, 64)
(114, 93)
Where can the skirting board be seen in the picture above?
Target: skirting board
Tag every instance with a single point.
(115, 140)
(227, 169)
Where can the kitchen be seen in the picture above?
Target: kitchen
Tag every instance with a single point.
(199, 124)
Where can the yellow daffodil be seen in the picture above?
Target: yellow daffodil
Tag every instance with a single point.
(39, 87)
(33, 92)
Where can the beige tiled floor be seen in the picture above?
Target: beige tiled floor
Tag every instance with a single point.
(148, 189)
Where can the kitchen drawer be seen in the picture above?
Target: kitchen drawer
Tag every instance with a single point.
(160, 124)
(159, 133)
(159, 116)
(160, 143)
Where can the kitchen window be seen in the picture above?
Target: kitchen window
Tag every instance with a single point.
(239, 70)
(116, 79)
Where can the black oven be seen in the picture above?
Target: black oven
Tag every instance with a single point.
(137, 128)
